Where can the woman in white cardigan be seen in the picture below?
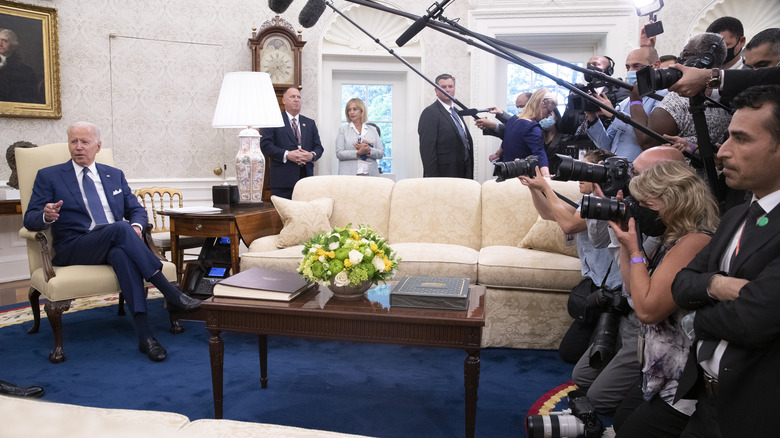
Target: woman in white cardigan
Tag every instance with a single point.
(358, 145)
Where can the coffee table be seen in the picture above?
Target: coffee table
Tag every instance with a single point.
(317, 314)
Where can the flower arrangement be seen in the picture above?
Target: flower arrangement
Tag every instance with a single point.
(348, 257)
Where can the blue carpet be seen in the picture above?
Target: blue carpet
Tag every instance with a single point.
(377, 390)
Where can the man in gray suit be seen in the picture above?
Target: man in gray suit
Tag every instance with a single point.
(446, 147)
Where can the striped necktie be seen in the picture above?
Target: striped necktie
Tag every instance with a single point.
(93, 200)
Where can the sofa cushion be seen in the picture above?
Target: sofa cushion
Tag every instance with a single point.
(520, 268)
(436, 259)
(302, 220)
(547, 236)
(286, 259)
(436, 210)
(358, 200)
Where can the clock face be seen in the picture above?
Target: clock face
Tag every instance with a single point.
(277, 60)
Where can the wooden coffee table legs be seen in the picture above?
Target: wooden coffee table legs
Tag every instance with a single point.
(471, 381)
(217, 355)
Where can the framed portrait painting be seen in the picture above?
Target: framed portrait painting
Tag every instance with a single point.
(29, 61)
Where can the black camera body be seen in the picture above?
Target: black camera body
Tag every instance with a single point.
(650, 80)
(582, 422)
(612, 176)
(513, 169)
(605, 335)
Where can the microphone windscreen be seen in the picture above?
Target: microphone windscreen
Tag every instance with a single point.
(413, 30)
(279, 6)
(311, 12)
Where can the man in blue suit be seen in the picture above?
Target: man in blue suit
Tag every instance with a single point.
(85, 203)
(293, 149)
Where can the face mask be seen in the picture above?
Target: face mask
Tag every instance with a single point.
(649, 223)
(730, 54)
(631, 77)
(547, 123)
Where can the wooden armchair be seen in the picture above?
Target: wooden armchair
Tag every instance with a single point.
(158, 198)
(60, 285)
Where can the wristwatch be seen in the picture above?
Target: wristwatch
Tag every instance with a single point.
(714, 80)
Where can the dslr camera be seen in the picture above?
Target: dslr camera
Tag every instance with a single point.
(611, 176)
(650, 80)
(581, 422)
(613, 305)
(513, 169)
(579, 103)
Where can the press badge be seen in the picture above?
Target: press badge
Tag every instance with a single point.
(569, 239)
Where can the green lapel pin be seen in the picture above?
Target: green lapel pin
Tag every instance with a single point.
(763, 221)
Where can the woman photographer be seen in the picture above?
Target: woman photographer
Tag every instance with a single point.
(675, 204)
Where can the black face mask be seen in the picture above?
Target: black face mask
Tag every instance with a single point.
(649, 222)
(730, 54)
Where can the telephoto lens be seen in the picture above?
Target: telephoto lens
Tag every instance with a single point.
(513, 169)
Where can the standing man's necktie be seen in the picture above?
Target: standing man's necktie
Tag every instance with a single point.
(95, 206)
(754, 212)
(296, 131)
(462, 133)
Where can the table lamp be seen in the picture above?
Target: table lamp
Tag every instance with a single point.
(247, 100)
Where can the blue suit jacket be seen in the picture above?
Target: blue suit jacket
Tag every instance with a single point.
(276, 141)
(59, 182)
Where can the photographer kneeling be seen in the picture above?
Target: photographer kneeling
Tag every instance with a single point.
(602, 278)
(671, 201)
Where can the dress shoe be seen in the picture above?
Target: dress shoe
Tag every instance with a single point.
(152, 349)
(18, 391)
(186, 304)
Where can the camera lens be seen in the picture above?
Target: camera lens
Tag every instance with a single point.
(571, 169)
(553, 426)
(513, 169)
(604, 339)
(594, 207)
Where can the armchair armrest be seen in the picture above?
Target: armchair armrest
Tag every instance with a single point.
(45, 253)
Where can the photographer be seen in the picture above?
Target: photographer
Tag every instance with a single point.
(674, 203)
(729, 82)
(607, 386)
(573, 118)
(597, 264)
(672, 116)
(619, 136)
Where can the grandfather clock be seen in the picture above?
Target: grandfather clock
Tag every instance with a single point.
(276, 50)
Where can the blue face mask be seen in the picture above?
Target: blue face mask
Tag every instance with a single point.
(547, 123)
(631, 77)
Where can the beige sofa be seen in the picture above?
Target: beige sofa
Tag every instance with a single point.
(451, 227)
(36, 418)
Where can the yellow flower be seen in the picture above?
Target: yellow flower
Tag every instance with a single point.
(380, 253)
(388, 264)
(347, 263)
(331, 254)
(320, 252)
(374, 247)
(354, 235)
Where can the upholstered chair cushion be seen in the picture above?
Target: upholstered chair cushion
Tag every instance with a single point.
(302, 220)
(547, 236)
(520, 268)
(436, 259)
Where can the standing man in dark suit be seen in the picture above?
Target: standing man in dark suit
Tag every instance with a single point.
(293, 149)
(85, 203)
(733, 369)
(446, 147)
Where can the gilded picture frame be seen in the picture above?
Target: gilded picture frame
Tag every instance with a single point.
(29, 54)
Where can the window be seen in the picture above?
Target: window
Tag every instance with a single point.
(379, 103)
(520, 79)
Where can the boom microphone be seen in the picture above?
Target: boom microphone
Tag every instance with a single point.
(311, 12)
(279, 6)
(420, 23)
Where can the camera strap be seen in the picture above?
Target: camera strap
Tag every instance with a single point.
(696, 108)
(604, 281)
(566, 200)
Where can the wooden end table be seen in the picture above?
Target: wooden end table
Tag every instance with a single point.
(317, 314)
(245, 223)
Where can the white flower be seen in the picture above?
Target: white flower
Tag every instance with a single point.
(379, 265)
(355, 256)
(322, 258)
(341, 279)
(333, 246)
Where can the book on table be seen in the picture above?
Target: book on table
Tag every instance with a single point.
(449, 293)
(263, 284)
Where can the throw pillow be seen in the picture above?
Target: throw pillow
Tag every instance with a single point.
(302, 220)
(547, 236)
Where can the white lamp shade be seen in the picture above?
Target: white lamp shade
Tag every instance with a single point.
(247, 99)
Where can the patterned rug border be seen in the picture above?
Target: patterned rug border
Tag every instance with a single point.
(551, 398)
(24, 314)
